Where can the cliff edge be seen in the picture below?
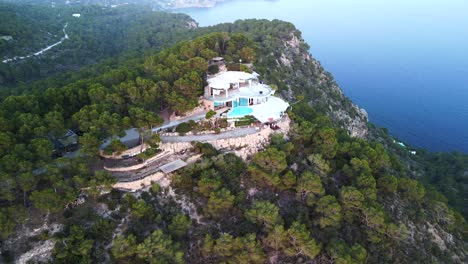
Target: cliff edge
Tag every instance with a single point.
(308, 76)
(285, 60)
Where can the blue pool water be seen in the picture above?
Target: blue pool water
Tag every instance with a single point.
(240, 111)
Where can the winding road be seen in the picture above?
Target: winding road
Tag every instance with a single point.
(16, 58)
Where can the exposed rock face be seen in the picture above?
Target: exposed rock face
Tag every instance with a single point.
(433, 231)
(42, 252)
(357, 126)
(298, 73)
(25, 246)
(303, 75)
(192, 24)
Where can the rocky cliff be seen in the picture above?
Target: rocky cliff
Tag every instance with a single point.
(286, 61)
(308, 74)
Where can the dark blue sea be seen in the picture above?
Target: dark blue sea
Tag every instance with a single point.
(404, 61)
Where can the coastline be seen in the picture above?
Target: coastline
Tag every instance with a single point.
(427, 116)
(187, 4)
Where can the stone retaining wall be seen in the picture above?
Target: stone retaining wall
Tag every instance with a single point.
(129, 152)
(139, 166)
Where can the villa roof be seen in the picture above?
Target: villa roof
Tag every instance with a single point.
(269, 111)
(68, 139)
(254, 91)
(231, 77)
(218, 84)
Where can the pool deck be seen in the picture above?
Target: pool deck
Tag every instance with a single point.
(265, 112)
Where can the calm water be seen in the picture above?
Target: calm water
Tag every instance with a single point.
(405, 62)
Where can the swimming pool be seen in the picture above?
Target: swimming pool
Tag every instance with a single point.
(240, 111)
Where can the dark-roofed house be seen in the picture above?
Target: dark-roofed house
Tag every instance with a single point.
(67, 143)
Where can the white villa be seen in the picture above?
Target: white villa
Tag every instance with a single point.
(245, 95)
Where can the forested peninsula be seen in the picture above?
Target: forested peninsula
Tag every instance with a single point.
(332, 189)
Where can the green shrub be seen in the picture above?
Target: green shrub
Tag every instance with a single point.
(149, 153)
(115, 146)
(244, 68)
(245, 121)
(183, 128)
(210, 114)
(155, 188)
(154, 140)
(206, 149)
(192, 124)
(241, 123)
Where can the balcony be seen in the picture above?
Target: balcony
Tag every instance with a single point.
(254, 91)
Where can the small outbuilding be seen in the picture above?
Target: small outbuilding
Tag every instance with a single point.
(68, 142)
(216, 61)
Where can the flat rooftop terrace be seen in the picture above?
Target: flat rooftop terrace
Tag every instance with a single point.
(269, 111)
(255, 91)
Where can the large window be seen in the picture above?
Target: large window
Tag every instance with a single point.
(243, 101)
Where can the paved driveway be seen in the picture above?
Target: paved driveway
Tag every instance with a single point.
(240, 132)
(177, 122)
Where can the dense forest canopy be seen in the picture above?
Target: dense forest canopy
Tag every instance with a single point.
(97, 34)
(316, 195)
(29, 30)
(99, 107)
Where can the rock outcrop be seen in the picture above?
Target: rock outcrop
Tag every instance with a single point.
(328, 93)
(301, 74)
(192, 24)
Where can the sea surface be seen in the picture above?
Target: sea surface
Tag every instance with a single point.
(404, 61)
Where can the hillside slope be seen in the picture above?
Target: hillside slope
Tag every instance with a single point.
(320, 194)
(286, 62)
(97, 34)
